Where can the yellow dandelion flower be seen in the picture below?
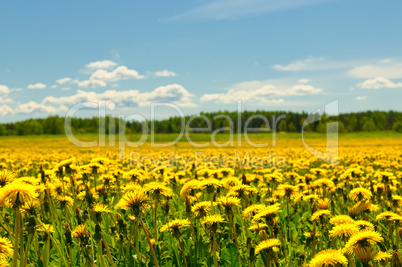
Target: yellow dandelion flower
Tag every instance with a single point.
(362, 239)
(287, 190)
(341, 219)
(210, 184)
(328, 258)
(324, 182)
(46, 228)
(385, 216)
(201, 209)
(6, 177)
(17, 193)
(101, 208)
(189, 188)
(213, 220)
(364, 225)
(137, 201)
(80, 232)
(134, 175)
(360, 194)
(363, 207)
(4, 263)
(258, 226)
(175, 226)
(242, 190)
(323, 203)
(344, 230)
(382, 256)
(319, 214)
(268, 213)
(268, 245)
(65, 201)
(252, 210)
(158, 189)
(6, 248)
(228, 203)
(31, 207)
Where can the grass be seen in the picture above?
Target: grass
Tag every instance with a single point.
(203, 137)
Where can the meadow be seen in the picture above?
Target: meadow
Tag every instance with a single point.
(238, 205)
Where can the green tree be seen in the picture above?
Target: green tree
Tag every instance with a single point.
(282, 127)
(2, 130)
(397, 127)
(369, 126)
(291, 127)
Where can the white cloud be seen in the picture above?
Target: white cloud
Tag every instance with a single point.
(36, 86)
(5, 100)
(387, 69)
(304, 80)
(105, 64)
(6, 110)
(361, 97)
(173, 93)
(100, 77)
(93, 83)
(310, 63)
(66, 88)
(387, 60)
(4, 90)
(165, 73)
(234, 9)
(120, 73)
(260, 92)
(115, 85)
(32, 107)
(63, 80)
(378, 82)
(53, 86)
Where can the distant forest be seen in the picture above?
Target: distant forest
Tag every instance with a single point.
(347, 122)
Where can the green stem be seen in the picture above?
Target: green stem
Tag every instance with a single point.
(149, 242)
(182, 252)
(102, 263)
(47, 253)
(109, 255)
(17, 233)
(155, 220)
(214, 252)
(25, 258)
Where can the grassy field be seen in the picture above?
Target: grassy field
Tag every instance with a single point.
(66, 205)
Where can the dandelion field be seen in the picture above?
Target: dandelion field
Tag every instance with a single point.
(62, 205)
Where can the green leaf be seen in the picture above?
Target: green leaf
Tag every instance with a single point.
(230, 255)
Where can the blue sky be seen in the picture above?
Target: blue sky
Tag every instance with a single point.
(200, 55)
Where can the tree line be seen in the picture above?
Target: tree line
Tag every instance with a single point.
(211, 121)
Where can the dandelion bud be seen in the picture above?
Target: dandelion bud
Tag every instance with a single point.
(67, 234)
(188, 205)
(301, 259)
(78, 216)
(98, 233)
(252, 253)
(7, 218)
(262, 235)
(31, 224)
(85, 215)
